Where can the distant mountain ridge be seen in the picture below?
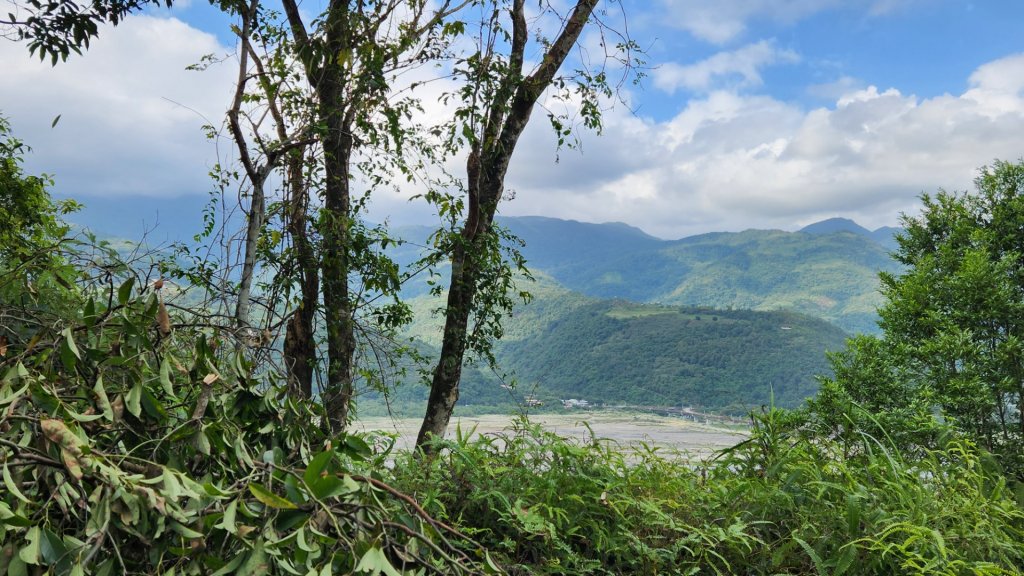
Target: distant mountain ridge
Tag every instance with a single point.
(828, 270)
(884, 235)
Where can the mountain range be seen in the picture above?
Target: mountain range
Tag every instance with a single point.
(828, 270)
(721, 321)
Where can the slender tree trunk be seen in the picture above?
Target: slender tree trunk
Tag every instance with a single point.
(257, 177)
(335, 220)
(299, 341)
(506, 118)
(444, 388)
(329, 82)
(334, 267)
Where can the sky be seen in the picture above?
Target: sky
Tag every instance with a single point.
(753, 114)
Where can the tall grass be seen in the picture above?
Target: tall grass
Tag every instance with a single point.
(782, 502)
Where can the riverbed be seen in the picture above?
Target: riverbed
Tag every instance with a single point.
(628, 430)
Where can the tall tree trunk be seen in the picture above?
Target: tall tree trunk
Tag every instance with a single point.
(329, 82)
(299, 341)
(257, 176)
(506, 118)
(336, 219)
(334, 267)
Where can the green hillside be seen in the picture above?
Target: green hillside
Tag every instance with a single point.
(828, 270)
(620, 352)
(824, 273)
(566, 345)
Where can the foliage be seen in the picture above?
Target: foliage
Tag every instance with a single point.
(132, 443)
(954, 320)
(57, 28)
(872, 384)
(29, 219)
(137, 437)
(783, 502)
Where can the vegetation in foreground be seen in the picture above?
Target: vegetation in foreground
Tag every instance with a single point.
(136, 440)
(141, 438)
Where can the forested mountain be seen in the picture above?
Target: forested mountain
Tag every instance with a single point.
(566, 345)
(583, 335)
(828, 270)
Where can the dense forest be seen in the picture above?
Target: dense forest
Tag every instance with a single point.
(564, 345)
(146, 431)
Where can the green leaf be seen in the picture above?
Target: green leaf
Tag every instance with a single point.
(331, 486)
(227, 522)
(269, 498)
(230, 567)
(133, 401)
(10, 518)
(125, 291)
(818, 564)
(52, 548)
(202, 443)
(102, 400)
(89, 313)
(317, 466)
(17, 567)
(212, 489)
(357, 448)
(29, 553)
(375, 562)
(12, 486)
(55, 120)
(69, 353)
(83, 417)
(256, 563)
(165, 377)
(153, 406)
(492, 566)
(185, 531)
(105, 569)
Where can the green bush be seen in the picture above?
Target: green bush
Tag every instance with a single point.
(134, 440)
(782, 502)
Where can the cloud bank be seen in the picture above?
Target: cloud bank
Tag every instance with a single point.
(728, 159)
(130, 114)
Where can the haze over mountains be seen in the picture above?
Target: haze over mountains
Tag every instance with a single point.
(828, 269)
(721, 321)
(724, 321)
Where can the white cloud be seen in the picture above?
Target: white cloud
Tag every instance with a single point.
(726, 160)
(731, 161)
(739, 68)
(130, 112)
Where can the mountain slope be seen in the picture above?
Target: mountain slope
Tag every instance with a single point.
(620, 352)
(566, 345)
(829, 271)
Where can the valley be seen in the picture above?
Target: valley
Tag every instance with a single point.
(726, 322)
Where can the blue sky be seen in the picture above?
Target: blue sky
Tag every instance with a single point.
(754, 114)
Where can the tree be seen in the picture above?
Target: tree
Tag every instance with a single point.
(57, 28)
(498, 100)
(953, 322)
(28, 216)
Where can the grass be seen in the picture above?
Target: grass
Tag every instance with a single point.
(781, 502)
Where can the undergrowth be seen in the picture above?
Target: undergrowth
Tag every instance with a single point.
(782, 502)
